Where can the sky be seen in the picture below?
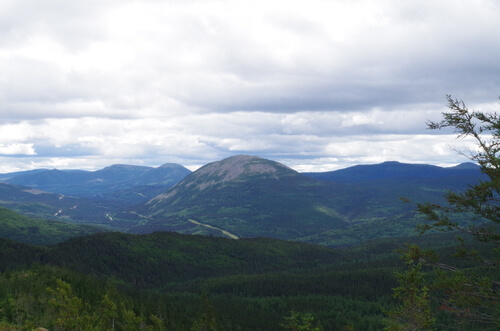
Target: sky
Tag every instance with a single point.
(316, 85)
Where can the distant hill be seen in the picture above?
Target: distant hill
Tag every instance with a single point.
(114, 182)
(7, 176)
(22, 229)
(40, 204)
(393, 169)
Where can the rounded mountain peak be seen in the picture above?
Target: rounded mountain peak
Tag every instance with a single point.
(241, 166)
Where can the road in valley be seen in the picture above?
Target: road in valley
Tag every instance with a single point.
(229, 234)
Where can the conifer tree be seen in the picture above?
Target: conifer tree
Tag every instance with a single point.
(471, 294)
(414, 311)
(301, 322)
(206, 321)
(108, 313)
(68, 308)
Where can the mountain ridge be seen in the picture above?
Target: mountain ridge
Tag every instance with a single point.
(392, 169)
(246, 196)
(250, 196)
(101, 183)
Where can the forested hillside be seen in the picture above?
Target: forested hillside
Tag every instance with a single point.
(179, 281)
(34, 231)
(176, 277)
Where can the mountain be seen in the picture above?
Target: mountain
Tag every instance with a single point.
(246, 196)
(382, 186)
(7, 176)
(243, 196)
(114, 182)
(86, 197)
(149, 184)
(394, 169)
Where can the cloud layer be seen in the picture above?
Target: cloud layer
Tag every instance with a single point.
(318, 85)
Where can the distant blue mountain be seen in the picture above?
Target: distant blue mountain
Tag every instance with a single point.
(7, 176)
(394, 169)
(101, 183)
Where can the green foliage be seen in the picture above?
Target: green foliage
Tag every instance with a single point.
(207, 320)
(33, 231)
(157, 324)
(414, 312)
(470, 292)
(301, 322)
(44, 205)
(26, 303)
(108, 314)
(158, 259)
(68, 308)
(128, 281)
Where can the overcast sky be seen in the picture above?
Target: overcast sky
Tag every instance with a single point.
(316, 85)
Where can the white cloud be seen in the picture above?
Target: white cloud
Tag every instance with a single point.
(315, 84)
(14, 149)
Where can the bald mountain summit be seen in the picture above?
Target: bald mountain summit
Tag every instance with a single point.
(246, 196)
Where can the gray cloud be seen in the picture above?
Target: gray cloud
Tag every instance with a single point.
(318, 85)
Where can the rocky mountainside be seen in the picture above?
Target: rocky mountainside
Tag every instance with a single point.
(236, 169)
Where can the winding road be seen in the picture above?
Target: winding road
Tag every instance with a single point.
(229, 234)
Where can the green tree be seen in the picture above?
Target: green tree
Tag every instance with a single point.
(108, 313)
(414, 312)
(157, 324)
(68, 308)
(206, 321)
(471, 294)
(301, 322)
(129, 321)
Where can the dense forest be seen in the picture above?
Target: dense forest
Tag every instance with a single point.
(177, 277)
(183, 282)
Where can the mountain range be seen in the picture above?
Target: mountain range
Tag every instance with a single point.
(241, 196)
(111, 183)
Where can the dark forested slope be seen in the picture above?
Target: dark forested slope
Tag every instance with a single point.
(33, 231)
